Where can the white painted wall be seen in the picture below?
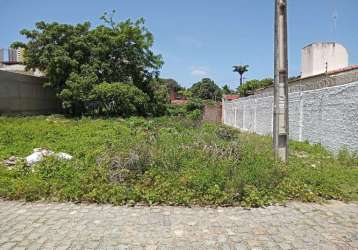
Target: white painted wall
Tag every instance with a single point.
(315, 56)
(328, 116)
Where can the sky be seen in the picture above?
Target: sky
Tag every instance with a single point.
(203, 38)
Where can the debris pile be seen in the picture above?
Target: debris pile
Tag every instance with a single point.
(37, 156)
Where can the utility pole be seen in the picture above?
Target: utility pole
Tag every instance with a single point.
(280, 115)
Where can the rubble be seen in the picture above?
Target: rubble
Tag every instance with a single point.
(39, 154)
(11, 161)
(63, 156)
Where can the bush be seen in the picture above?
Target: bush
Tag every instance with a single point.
(249, 87)
(194, 104)
(120, 99)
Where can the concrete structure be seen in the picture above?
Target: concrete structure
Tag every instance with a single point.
(318, 58)
(20, 55)
(213, 113)
(322, 109)
(25, 94)
(21, 69)
(1, 56)
(230, 97)
(14, 55)
(280, 112)
(176, 98)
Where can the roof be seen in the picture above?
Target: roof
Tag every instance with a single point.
(231, 97)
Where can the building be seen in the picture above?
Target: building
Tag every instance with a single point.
(12, 55)
(176, 98)
(16, 55)
(20, 55)
(1, 56)
(319, 58)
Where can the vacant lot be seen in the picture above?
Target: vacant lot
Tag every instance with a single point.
(165, 161)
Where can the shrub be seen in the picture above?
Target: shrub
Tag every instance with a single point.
(120, 99)
(194, 104)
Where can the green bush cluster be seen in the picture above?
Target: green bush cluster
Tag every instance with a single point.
(167, 160)
(249, 87)
(119, 99)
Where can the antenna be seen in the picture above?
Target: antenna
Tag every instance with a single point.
(335, 17)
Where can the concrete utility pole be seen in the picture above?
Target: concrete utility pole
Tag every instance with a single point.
(280, 116)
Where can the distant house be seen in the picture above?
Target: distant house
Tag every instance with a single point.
(230, 97)
(176, 98)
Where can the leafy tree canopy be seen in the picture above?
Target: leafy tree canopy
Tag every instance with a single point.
(241, 70)
(76, 58)
(206, 89)
(172, 84)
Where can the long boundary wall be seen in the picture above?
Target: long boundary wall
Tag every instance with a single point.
(327, 115)
(24, 94)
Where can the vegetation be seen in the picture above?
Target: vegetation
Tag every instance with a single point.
(77, 58)
(206, 89)
(241, 69)
(227, 91)
(174, 160)
(248, 87)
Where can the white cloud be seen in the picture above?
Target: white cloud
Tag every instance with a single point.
(199, 71)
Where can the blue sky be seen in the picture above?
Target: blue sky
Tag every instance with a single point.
(203, 38)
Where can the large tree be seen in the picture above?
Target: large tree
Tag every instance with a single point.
(76, 58)
(206, 89)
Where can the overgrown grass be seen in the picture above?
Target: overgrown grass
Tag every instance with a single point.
(173, 161)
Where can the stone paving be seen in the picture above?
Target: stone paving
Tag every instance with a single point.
(71, 226)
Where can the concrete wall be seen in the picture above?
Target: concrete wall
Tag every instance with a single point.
(318, 58)
(326, 115)
(24, 94)
(213, 113)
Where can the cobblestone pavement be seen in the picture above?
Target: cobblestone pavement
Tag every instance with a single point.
(70, 226)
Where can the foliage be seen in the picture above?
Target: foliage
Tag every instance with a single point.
(77, 57)
(120, 99)
(159, 98)
(226, 90)
(166, 160)
(172, 84)
(206, 89)
(195, 104)
(186, 93)
(241, 70)
(248, 87)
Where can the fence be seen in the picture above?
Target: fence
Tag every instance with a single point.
(321, 110)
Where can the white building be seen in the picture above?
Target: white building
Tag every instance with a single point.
(318, 58)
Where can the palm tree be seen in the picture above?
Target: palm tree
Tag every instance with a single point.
(241, 69)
